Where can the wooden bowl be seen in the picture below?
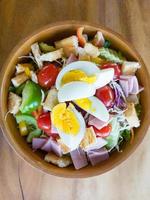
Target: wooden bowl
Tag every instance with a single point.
(51, 33)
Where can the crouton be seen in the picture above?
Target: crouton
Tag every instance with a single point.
(51, 99)
(129, 68)
(36, 53)
(89, 138)
(91, 50)
(68, 44)
(52, 56)
(14, 102)
(34, 77)
(63, 161)
(65, 149)
(131, 115)
(98, 39)
(19, 79)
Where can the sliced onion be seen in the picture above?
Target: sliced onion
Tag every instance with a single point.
(37, 143)
(55, 147)
(47, 146)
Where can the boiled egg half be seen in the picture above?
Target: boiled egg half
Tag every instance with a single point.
(84, 71)
(75, 90)
(93, 106)
(69, 123)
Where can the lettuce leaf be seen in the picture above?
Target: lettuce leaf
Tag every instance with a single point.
(126, 134)
(111, 55)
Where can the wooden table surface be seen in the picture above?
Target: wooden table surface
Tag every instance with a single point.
(131, 180)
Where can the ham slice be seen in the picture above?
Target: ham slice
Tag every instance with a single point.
(93, 121)
(129, 85)
(96, 156)
(79, 158)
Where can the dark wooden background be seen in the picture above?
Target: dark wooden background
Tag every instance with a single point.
(129, 181)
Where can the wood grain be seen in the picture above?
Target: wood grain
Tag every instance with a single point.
(131, 180)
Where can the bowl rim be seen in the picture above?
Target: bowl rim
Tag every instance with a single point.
(8, 138)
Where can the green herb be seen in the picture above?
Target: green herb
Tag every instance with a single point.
(111, 55)
(107, 44)
(126, 134)
(45, 47)
(138, 109)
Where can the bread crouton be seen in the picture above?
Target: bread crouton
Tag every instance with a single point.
(52, 56)
(19, 79)
(98, 39)
(131, 115)
(14, 102)
(68, 44)
(91, 50)
(63, 161)
(89, 138)
(51, 99)
(65, 149)
(36, 53)
(129, 68)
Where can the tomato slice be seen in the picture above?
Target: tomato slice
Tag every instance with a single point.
(47, 76)
(106, 95)
(44, 122)
(103, 132)
(116, 67)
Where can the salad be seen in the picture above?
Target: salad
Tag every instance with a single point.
(76, 99)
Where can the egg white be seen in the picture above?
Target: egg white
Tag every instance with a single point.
(70, 140)
(75, 90)
(103, 77)
(98, 109)
(88, 67)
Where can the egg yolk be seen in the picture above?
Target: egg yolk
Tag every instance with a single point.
(65, 120)
(84, 103)
(77, 75)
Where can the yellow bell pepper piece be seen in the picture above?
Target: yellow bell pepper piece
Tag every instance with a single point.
(23, 128)
(27, 71)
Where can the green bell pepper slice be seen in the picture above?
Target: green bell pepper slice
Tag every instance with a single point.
(32, 97)
(28, 119)
(20, 89)
(34, 134)
(46, 48)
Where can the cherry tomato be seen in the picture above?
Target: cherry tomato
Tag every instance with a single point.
(47, 75)
(106, 95)
(103, 132)
(116, 67)
(44, 122)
